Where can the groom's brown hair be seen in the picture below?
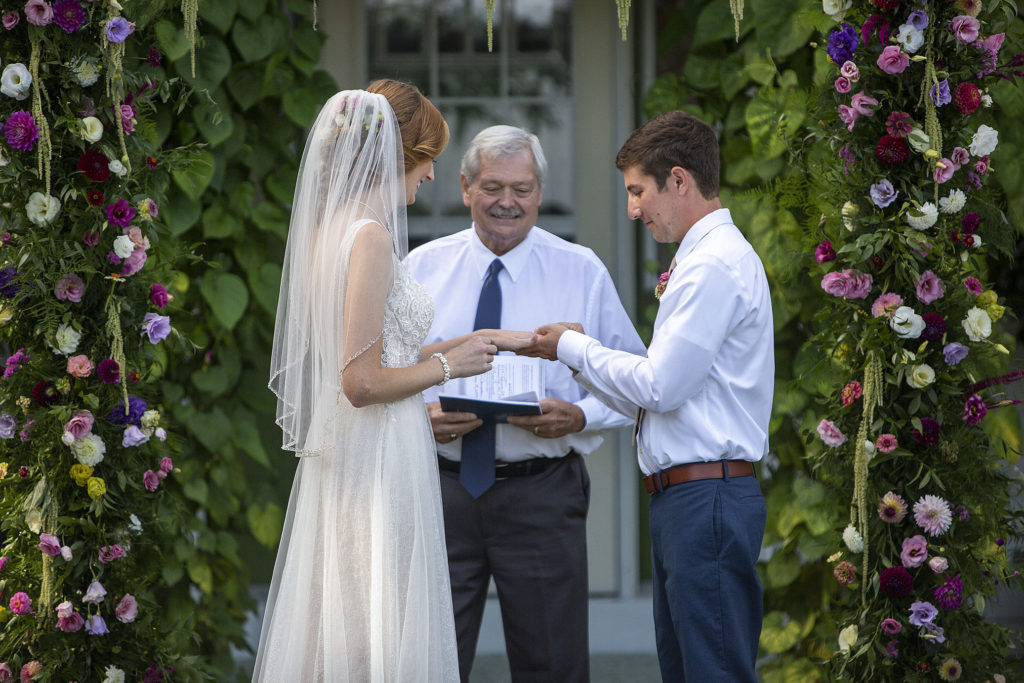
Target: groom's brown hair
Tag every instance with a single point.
(674, 138)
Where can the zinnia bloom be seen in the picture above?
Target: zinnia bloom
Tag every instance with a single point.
(950, 669)
(974, 409)
(850, 392)
(886, 305)
(933, 515)
(898, 124)
(95, 198)
(973, 285)
(21, 131)
(892, 151)
(886, 443)
(950, 594)
(94, 165)
(20, 603)
(896, 582)
(845, 573)
(929, 432)
(892, 508)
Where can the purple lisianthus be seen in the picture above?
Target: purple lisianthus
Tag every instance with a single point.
(120, 213)
(156, 327)
(154, 57)
(158, 295)
(954, 352)
(929, 433)
(934, 327)
(918, 19)
(949, 595)
(118, 29)
(133, 436)
(959, 156)
(824, 252)
(128, 119)
(8, 283)
(11, 19)
(891, 626)
(883, 193)
(940, 93)
(69, 15)
(929, 287)
(49, 544)
(111, 553)
(842, 85)
(8, 426)
(922, 613)
(878, 25)
(95, 626)
(964, 27)
(109, 371)
(69, 288)
(915, 551)
(842, 43)
(150, 480)
(892, 649)
(38, 13)
(21, 131)
(974, 179)
(896, 582)
(133, 416)
(974, 409)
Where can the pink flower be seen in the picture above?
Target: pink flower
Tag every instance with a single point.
(850, 393)
(127, 609)
(864, 104)
(824, 252)
(166, 465)
(944, 169)
(842, 84)
(49, 544)
(38, 12)
(80, 424)
(848, 284)
(886, 305)
(69, 288)
(136, 236)
(848, 115)
(929, 287)
(5, 669)
(134, 263)
(80, 366)
(110, 553)
(898, 124)
(981, 166)
(959, 156)
(159, 297)
(849, 70)
(29, 670)
(830, 434)
(891, 626)
(973, 285)
(886, 443)
(91, 237)
(965, 28)
(71, 623)
(915, 551)
(128, 119)
(938, 564)
(893, 60)
(151, 480)
(20, 603)
(10, 20)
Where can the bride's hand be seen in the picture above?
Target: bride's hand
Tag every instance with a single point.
(471, 357)
(507, 340)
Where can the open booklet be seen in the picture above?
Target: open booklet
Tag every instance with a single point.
(514, 386)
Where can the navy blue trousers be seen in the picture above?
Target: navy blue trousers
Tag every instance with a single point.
(706, 536)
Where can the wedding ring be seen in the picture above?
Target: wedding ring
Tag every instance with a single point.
(454, 436)
(536, 430)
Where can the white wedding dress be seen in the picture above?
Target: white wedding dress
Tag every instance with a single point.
(361, 588)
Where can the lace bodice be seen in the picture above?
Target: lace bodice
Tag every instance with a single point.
(408, 315)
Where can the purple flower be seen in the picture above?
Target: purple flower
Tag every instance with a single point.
(69, 288)
(128, 118)
(940, 93)
(918, 19)
(8, 427)
(973, 285)
(949, 594)
(891, 626)
(69, 15)
(929, 287)
(20, 603)
(962, 514)
(153, 674)
(109, 371)
(38, 13)
(876, 24)
(166, 465)
(118, 29)
(158, 294)
(934, 327)
(133, 436)
(156, 327)
(883, 194)
(151, 480)
(842, 84)
(922, 613)
(959, 156)
(120, 213)
(896, 582)
(864, 104)
(974, 179)
(21, 131)
(111, 553)
(970, 223)
(154, 58)
(95, 626)
(49, 544)
(892, 650)
(954, 352)
(15, 361)
(11, 19)
(824, 252)
(127, 609)
(842, 43)
(915, 551)
(848, 157)
(94, 594)
(134, 262)
(9, 285)
(121, 418)
(974, 409)
(929, 432)
(964, 27)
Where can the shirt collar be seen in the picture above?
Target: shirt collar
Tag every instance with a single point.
(700, 230)
(514, 260)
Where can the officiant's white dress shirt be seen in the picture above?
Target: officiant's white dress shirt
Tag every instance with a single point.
(706, 383)
(545, 279)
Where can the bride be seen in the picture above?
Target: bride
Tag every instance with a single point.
(360, 589)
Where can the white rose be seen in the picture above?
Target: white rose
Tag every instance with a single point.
(34, 520)
(3, 158)
(849, 212)
(986, 100)
(42, 208)
(922, 217)
(984, 141)
(910, 38)
(67, 438)
(847, 637)
(66, 339)
(920, 376)
(114, 675)
(918, 141)
(906, 323)
(977, 324)
(92, 129)
(117, 168)
(853, 540)
(16, 81)
(977, 240)
(89, 450)
(869, 449)
(953, 203)
(123, 246)
(135, 524)
(86, 72)
(150, 419)
(836, 8)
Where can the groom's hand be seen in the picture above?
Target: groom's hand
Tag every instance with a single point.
(546, 343)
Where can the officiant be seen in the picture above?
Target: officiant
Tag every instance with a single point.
(516, 495)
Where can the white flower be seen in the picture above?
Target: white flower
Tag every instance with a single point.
(977, 324)
(66, 339)
(123, 246)
(849, 212)
(16, 81)
(922, 217)
(3, 158)
(910, 38)
(847, 637)
(135, 525)
(114, 675)
(954, 202)
(920, 376)
(869, 449)
(92, 129)
(42, 208)
(86, 72)
(34, 520)
(89, 450)
(918, 141)
(977, 240)
(160, 433)
(853, 540)
(67, 438)
(906, 323)
(117, 168)
(986, 100)
(836, 8)
(66, 553)
(984, 141)
(95, 593)
(150, 419)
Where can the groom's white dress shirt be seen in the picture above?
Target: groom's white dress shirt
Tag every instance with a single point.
(706, 383)
(544, 279)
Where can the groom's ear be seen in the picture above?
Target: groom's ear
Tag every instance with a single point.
(679, 180)
(465, 189)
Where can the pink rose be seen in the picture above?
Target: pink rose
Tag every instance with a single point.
(835, 284)
(842, 84)
(127, 609)
(49, 544)
(944, 169)
(80, 366)
(134, 263)
(915, 551)
(893, 60)
(848, 115)
(965, 28)
(69, 288)
(38, 13)
(929, 287)
(960, 156)
(10, 20)
(938, 564)
(71, 623)
(166, 465)
(136, 236)
(850, 71)
(830, 434)
(151, 480)
(864, 104)
(80, 425)
(981, 166)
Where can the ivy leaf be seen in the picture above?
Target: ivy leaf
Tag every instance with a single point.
(197, 490)
(246, 85)
(248, 437)
(252, 9)
(213, 124)
(776, 637)
(266, 284)
(218, 13)
(256, 41)
(196, 177)
(171, 39)
(213, 380)
(212, 428)
(227, 296)
(220, 222)
(200, 573)
(265, 522)
(179, 212)
(783, 569)
(213, 64)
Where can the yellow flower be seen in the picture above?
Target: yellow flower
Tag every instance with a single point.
(3, 615)
(81, 473)
(995, 311)
(96, 487)
(6, 313)
(986, 299)
(24, 402)
(3, 470)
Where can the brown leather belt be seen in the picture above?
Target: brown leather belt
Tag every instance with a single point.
(659, 481)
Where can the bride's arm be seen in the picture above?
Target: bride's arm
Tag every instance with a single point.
(505, 340)
(364, 380)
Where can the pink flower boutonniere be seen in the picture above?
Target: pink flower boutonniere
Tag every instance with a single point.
(659, 289)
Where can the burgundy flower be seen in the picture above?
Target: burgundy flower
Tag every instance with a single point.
(886, 5)
(109, 371)
(153, 674)
(45, 393)
(11, 19)
(892, 151)
(934, 327)
(929, 432)
(158, 295)
(824, 252)
(877, 262)
(151, 162)
(154, 57)
(970, 223)
(133, 377)
(94, 165)
(845, 573)
(875, 25)
(120, 213)
(23, 472)
(94, 197)
(896, 582)
(69, 15)
(967, 98)
(949, 594)
(21, 131)
(974, 409)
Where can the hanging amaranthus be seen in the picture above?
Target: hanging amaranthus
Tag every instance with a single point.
(490, 24)
(45, 144)
(623, 8)
(872, 397)
(736, 7)
(190, 8)
(117, 341)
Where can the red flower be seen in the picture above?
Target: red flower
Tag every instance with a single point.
(896, 582)
(91, 237)
(94, 196)
(886, 5)
(892, 151)
(44, 393)
(151, 162)
(94, 165)
(967, 98)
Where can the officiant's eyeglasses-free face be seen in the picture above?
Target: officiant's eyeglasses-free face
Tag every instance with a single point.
(421, 173)
(505, 197)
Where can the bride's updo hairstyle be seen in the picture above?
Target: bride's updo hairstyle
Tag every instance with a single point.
(424, 130)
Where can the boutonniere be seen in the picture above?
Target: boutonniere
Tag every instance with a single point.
(662, 283)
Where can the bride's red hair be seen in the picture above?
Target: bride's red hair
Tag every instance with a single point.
(424, 130)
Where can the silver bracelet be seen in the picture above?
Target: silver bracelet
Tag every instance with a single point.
(444, 364)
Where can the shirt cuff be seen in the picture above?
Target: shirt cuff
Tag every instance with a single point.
(572, 348)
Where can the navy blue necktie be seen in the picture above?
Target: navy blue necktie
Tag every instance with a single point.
(477, 470)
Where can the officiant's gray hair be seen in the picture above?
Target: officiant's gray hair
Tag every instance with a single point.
(498, 142)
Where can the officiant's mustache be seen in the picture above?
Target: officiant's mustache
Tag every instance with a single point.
(498, 212)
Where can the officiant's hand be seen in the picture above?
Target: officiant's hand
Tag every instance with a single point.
(545, 344)
(450, 426)
(508, 340)
(558, 419)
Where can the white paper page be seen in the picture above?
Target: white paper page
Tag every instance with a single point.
(512, 378)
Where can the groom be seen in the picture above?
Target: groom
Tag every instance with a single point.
(704, 393)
